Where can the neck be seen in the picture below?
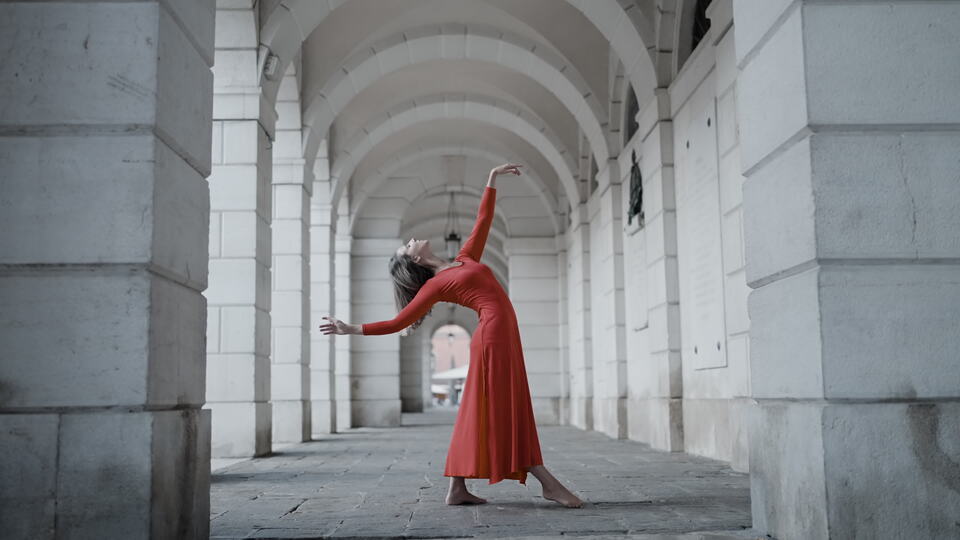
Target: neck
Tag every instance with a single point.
(436, 264)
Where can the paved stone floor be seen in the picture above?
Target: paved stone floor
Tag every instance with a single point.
(388, 482)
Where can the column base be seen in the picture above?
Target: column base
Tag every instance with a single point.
(581, 412)
(717, 429)
(241, 429)
(376, 412)
(657, 422)
(855, 470)
(291, 421)
(106, 474)
(323, 417)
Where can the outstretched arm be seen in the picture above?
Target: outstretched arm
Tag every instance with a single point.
(426, 297)
(473, 247)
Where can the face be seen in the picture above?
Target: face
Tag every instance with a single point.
(415, 248)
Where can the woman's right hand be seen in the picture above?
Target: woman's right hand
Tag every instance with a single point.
(507, 168)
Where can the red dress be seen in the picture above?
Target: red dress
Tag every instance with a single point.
(495, 435)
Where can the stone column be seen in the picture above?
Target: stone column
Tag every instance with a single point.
(535, 292)
(414, 366)
(374, 360)
(578, 306)
(342, 286)
(290, 302)
(563, 327)
(322, 296)
(103, 227)
(607, 305)
(238, 333)
(656, 403)
(849, 118)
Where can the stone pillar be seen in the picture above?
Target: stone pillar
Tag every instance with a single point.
(578, 306)
(607, 305)
(656, 402)
(414, 363)
(290, 303)
(563, 326)
(238, 333)
(535, 292)
(322, 295)
(849, 116)
(342, 287)
(374, 360)
(103, 218)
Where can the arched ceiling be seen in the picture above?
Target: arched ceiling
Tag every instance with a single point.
(394, 86)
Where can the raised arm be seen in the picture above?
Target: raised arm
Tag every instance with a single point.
(473, 247)
(426, 297)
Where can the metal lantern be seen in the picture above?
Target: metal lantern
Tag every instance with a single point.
(453, 237)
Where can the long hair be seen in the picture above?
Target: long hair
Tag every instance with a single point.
(408, 277)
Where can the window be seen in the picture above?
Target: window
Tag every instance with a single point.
(631, 114)
(701, 24)
(636, 192)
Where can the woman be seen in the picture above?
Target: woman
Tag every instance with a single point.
(495, 435)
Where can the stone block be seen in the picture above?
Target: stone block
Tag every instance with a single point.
(239, 234)
(889, 331)
(381, 363)
(237, 329)
(787, 488)
(151, 481)
(876, 469)
(890, 469)
(754, 18)
(288, 381)
(886, 196)
(143, 205)
(236, 29)
(287, 272)
(323, 418)
(786, 346)
(232, 281)
(375, 386)
(28, 474)
(177, 364)
(120, 338)
(736, 313)
(544, 384)
(241, 429)
(534, 289)
(320, 384)
(288, 344)
(291, 421)
(771, 90)
(778, 205)
(852, 50)
(655, 421)
(233, 187)
(373, 413)
(235, 68)
(235, 377)
(288, 308)
(289, 236)
(289, 201)
(716, 428)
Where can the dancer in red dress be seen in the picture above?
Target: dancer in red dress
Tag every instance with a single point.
(495, 434)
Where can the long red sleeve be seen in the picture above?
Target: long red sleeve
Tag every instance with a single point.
(473, 247)
(426, 297)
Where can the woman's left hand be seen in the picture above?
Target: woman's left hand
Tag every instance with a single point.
(335, 326)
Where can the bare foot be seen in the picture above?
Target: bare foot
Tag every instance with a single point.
(563, 496)
(463, 497)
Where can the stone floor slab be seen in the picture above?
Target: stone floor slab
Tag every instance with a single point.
(389, 483)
